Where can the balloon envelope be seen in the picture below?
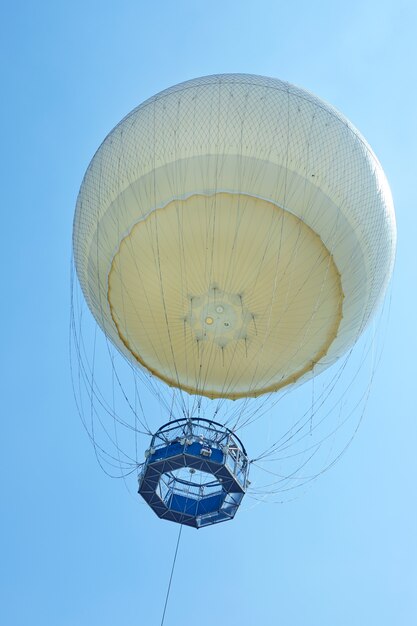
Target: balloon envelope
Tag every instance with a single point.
(233, 235)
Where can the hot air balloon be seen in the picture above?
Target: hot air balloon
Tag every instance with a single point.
(233, 237)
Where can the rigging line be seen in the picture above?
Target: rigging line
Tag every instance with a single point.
(301, 424)
(82, 412)
(84, 366)
(172, 573)
(116, 438)
(88, 384)
(302, 421)
(307, 479)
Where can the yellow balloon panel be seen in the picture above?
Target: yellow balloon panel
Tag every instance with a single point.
(225, 295)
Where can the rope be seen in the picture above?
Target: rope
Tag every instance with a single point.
(172, 573)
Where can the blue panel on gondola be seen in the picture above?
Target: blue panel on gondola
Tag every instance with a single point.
(194, 507)
(171, 450)
(210, 504)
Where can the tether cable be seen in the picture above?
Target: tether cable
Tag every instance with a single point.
(172, 573)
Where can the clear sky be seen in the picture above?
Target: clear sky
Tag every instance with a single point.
(77, 548)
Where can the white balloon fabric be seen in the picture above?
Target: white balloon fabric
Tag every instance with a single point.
(233, 235)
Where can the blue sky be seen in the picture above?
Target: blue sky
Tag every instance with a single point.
(78, 549)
